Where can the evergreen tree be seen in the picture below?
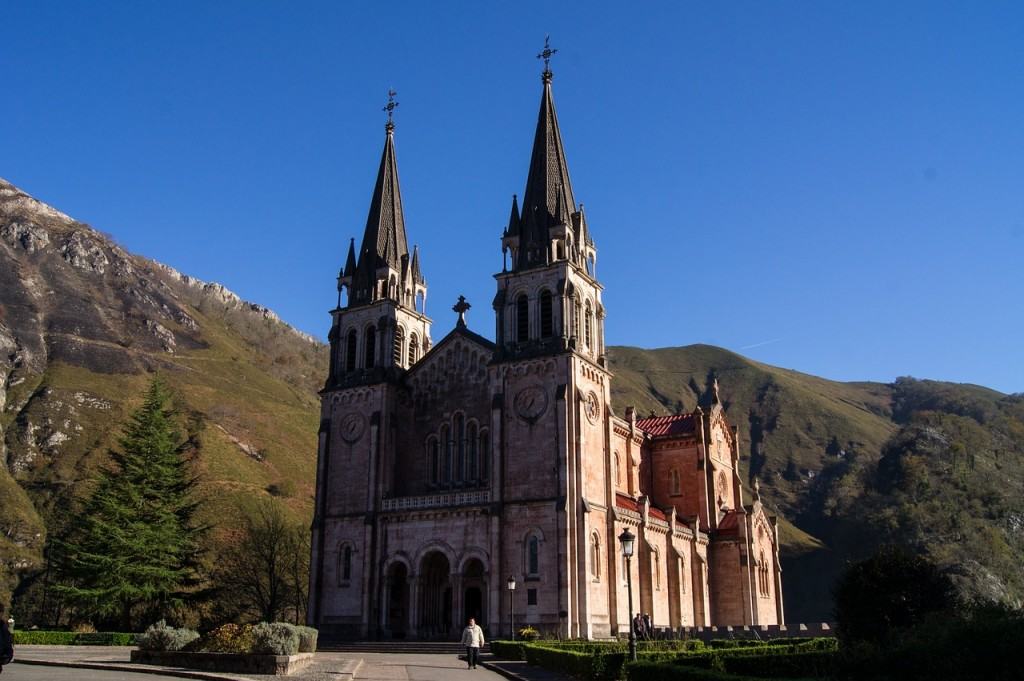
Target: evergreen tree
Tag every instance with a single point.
(135, 544)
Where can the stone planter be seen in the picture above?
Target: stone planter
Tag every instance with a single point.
(243, 663)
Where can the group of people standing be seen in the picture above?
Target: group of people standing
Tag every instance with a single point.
(642, 627)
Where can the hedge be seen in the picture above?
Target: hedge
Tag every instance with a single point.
(71, 638)
(509, 650)
(662, 671)
(813, 664)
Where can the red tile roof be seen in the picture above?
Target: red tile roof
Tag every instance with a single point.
(668, 426)
(730, 524)
(622, 501)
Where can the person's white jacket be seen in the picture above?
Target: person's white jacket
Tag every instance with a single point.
(473, 636)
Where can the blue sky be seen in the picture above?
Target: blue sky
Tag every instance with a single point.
(832, 187)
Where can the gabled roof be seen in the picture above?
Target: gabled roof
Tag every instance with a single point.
(730, 523)
(675, 425)
(457, 332)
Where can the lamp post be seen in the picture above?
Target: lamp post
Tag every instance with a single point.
(626, 539)
(511, 611)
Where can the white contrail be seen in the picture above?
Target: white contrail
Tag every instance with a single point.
(757, 345)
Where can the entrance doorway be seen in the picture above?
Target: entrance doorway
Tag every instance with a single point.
(435, 611)
(398, 600)
(474, 587)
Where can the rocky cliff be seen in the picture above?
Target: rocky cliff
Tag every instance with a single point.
(82, 323)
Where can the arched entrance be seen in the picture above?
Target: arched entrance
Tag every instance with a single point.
(398, 600)
(474, 588)
(435, 605)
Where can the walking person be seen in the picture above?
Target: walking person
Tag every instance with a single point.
(648, 627)
(638, 627)
(473, 639)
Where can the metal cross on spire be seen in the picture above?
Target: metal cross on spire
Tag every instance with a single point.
(546, 55)
(390, 108)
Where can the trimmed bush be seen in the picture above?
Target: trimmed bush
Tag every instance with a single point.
(276, 638)
(307, 639)
(161, 637)
(508, 650)
(229, 638)
(72, 638)
(571, 662)
(662, 671)
(813, 664)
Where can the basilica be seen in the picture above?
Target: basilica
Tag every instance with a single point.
(448, 469)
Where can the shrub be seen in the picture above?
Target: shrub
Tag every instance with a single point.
(662, 671)
(161, 637)
(528, 633)
(71, 638)
(508, 650)
(229, 638)
(276, 638)
(307, 639)
(813, 664)
(569, 662)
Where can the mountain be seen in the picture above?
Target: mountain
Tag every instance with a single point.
(82, 325)
(935, 466)
(847, 466)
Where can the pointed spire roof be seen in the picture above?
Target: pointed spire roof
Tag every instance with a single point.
(548, 199)
(417, 275)
(384, 239)
(350, 261)
(513, 218)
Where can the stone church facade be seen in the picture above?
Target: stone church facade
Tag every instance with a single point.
(445, 468)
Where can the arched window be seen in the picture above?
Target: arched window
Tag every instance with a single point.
(345, 564)
(655, 569)
(485, 455)
(350, 351)
(370, 349)
(595, 556)
(459, 431)
(618, 469)
(522, 319)
(414, 348)
(432, 460)
(392, 287)
(763, 570)
(396, 354)
(683, 577)
(587, 322)
(533, 556)
(473, 444)
(576, 328)
(446, 456)
(547, 329)
(674, 487)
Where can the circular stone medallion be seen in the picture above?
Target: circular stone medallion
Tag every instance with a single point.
(592, 407)
(352, 427)
(531, 403)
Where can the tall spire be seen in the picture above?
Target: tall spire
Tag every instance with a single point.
(547, 184)
(384, 240)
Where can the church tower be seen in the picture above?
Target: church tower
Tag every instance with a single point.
(382, 328)
(379, 331)
(555, 416)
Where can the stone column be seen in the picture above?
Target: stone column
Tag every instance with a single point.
(457, 601)
(414, 606)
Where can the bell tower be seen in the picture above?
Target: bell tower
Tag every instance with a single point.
(549, 298)
(380, 325)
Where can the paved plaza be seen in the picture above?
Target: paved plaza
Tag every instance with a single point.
(111, 663)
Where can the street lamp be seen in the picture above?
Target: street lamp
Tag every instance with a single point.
(511, 615)
(626, 539)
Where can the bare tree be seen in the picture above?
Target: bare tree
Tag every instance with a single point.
(265, 572)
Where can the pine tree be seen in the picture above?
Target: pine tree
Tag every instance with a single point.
(135, 544)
